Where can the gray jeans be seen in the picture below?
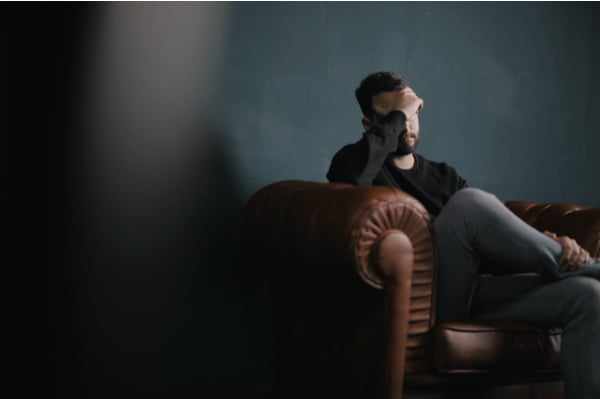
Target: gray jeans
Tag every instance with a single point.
(474, 228)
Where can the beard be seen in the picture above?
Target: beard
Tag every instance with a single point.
(405, 144)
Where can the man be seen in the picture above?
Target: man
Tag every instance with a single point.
(540, 278)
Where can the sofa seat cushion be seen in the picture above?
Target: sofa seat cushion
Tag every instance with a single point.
(490, 347)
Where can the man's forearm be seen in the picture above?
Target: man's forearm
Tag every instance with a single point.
(361, 162)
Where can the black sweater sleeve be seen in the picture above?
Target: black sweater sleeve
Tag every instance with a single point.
(359, 163)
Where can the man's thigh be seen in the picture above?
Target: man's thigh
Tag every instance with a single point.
(527, 297)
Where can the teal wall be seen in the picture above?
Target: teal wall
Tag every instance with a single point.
(511, 89)
(146, 126)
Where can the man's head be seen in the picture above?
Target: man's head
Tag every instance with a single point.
(375, 83)
(384, 92)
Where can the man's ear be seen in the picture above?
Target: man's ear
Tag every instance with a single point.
(366, 122)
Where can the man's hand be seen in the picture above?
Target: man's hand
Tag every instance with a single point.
(404, 100)
(573, 256)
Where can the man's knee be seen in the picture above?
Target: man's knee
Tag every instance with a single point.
(583, 296)
(472, 195)
(471, 201)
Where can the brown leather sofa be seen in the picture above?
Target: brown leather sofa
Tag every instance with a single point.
(353, 282)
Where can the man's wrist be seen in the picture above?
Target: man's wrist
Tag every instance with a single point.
(390, 125)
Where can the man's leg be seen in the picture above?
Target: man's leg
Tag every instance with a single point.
(572, 304)
(475, 225)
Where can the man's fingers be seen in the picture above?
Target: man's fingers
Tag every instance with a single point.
(404, 100)
(573, 255)
(584, 257)
(569, 254)
(405, 90)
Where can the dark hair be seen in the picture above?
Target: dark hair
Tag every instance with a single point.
(374, 84)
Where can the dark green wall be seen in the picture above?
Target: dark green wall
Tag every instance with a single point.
(144, 127)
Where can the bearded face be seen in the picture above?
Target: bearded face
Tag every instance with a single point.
(409, 138)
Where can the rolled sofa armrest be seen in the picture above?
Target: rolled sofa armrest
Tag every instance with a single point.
(576, 221)
(334, 225)
(348, 265)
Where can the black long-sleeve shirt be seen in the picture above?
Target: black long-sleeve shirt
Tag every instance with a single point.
(369, 161)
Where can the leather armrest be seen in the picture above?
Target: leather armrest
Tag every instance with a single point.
(575, 221)
(321, 238)
(332, 225)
